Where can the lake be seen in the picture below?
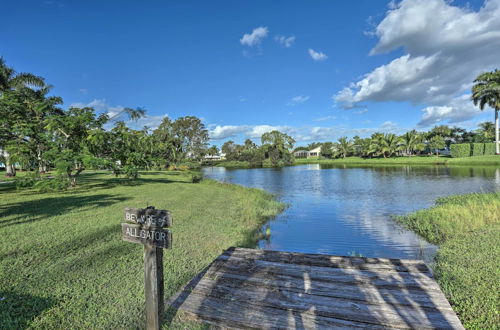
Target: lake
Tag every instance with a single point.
(346, 210)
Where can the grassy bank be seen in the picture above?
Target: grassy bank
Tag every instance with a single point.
(417, 160)
(63, 264)
(467, 229)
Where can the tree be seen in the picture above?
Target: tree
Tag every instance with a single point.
(411, 141)
(344, 147)
(486, 131)
(10, 82)
(486, 91)
(70, 133)
(327, 149)
(278, 146)
(437, 142)
(213, 150)
(192, 135)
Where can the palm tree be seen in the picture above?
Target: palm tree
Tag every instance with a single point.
(344, 147)
(389, 144)
(411, 141)
(486, 91)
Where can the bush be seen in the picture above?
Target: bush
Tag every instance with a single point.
(131, 172)
(477, 149)
(460, 150)
(489, 148)
(28, 181)
(58, 183)
(190, 165)
(196, 177)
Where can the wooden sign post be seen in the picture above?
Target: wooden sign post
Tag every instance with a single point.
(146, 226)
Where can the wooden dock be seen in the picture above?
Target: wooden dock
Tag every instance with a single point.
(247, 288)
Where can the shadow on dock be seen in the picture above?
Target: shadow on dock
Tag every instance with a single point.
(247, 288)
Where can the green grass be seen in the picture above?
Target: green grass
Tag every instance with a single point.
(467, 229)
(417, 160)
(63, 264)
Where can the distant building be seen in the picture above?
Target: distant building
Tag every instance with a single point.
(220, 156)
(308, 153)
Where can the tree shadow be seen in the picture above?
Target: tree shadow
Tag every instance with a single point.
(40, 209)
(17, 311)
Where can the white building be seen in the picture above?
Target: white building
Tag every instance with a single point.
(308, 154)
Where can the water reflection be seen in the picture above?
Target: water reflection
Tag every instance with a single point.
(345, 210)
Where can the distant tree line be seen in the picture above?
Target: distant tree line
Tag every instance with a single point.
(275, 149)
(411, 143)
(36, 134)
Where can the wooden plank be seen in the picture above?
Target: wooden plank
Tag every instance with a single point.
(239, 315)
(359, 291)
(329, 261)
(250, 267)
(246, 288)
(383, 314)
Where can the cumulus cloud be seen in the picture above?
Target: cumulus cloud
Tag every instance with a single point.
(298, 100)
(458, 110)
(285, 41)
(219, 132)
(445, 48)
(317, 56)
(255, 38)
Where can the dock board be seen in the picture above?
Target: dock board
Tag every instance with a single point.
(247, 288)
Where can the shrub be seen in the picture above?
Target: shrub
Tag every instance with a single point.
(196, 177)
(131, 172)
(489, 148)
(28, 181)
(477, 149)
(190, 165)
(58, 183)
(460, 150)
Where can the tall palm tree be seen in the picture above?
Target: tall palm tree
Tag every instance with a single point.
(486, 91)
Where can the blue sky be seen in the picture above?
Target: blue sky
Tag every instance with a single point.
(317, 70)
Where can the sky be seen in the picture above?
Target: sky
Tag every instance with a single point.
(316, 70)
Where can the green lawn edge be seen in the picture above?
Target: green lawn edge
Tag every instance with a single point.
(467, 264)
(64, 265)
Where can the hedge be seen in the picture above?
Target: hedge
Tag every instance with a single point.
(472, 149)
(461, 150)
(489, 148)
(477, 149)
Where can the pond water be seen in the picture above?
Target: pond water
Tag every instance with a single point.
(344, 210)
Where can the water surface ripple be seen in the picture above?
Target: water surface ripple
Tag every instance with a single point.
(344, 210)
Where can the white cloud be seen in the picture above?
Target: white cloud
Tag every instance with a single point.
(317, 56)
(300, 134)
(325, 118)
(298, 100)
(445, 47)
(254, 38)
(285, 41)
(226, 131)
(458, 110)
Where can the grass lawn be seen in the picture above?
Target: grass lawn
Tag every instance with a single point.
(467, 230)
(63, 264)
(417, 160)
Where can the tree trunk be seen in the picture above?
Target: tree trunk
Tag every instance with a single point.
(497, 142)
(10, 170)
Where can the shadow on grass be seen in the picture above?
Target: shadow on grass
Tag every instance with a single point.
(18, 310)
(36, 210)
